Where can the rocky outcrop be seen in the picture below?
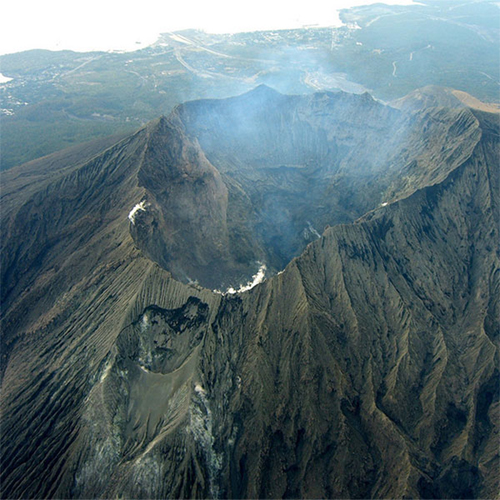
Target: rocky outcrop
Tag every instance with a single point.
(183, 223)
(367, 368)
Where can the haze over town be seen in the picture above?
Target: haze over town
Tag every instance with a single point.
(114, 25)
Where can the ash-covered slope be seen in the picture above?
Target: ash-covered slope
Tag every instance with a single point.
(367, 368)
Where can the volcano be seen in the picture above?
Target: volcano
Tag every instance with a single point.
(257, 297)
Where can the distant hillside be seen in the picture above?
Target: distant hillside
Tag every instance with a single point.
(57, 99)
(433, 96)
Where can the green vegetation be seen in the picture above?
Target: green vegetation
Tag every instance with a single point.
(62, 98)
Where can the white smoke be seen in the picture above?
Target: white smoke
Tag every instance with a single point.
(140, 206)
(312, 230)
(145, 322)
(201, 428)
(199, 390)
(256, 279)
(105, 373)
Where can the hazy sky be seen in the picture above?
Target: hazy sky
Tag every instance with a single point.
(117, 24)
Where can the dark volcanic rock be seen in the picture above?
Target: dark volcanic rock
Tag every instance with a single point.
(184, 226)
(368, 368)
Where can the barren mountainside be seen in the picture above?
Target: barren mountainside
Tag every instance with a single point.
(364, 366)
